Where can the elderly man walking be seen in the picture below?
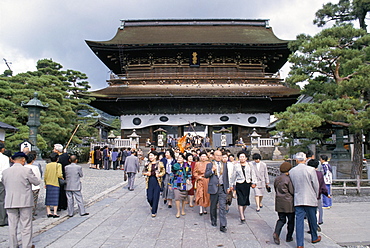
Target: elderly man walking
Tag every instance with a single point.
(73, 186)
(306, 191)
(218, 188)
(18, 182)
(131, 167)
(4, 164)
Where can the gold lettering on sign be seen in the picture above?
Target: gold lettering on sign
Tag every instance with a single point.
(195, 58)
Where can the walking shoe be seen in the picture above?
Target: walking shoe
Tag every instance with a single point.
(223, 229)
(276, 238)
(317, 240)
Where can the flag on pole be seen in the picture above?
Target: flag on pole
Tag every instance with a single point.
(182, 143)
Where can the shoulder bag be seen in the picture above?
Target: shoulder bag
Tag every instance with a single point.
(61, 181)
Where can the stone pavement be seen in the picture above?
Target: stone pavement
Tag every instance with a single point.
(121, 218)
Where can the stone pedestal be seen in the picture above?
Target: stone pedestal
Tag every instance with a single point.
(276, 155)
(343, 168)
(255, 150)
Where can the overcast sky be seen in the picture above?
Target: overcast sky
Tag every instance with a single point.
(35, 29)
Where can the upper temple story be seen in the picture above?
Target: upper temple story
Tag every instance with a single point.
(205, 51)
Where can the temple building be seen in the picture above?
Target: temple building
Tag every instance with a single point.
(194, 76)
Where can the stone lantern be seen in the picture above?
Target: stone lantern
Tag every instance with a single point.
(134, 138)
(340, 158)
(111, 137)
(254, 142)
(34, 108)
(276, 155)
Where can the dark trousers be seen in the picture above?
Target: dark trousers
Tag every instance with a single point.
(220, 198)
(106, 164)
(152, 193)
(281, 222)
(63, 203)
(115, 165)
(3, 214)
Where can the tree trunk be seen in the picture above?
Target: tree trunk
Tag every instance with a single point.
(357, 155)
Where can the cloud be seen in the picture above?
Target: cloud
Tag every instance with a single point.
(37, 29)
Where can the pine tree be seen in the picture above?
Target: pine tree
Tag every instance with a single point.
(334, 65)
(64, 91)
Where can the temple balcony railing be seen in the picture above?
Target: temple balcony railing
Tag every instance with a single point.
(118, 143)
(196, 75)
(265, 142)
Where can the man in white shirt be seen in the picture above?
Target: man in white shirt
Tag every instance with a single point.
(4, 164)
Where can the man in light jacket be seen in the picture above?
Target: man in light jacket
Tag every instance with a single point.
(73, 186)
(131, 167)
(4, 164)
(306, 191)
(18, 182)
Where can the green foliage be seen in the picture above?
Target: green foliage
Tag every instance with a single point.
(334, 66)
(116, 123)
(343, 11)
(65, 93)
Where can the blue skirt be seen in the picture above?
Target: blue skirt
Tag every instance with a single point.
(52, 195)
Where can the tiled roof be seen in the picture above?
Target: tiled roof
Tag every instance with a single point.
(7, 126)
(248, 32)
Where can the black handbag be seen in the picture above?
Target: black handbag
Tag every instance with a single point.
(268, 188)
(62, 182)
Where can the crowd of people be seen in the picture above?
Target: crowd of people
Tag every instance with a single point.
(208, 179)
(111, 158)
(211, 179)
(299, 190)
(20, 178)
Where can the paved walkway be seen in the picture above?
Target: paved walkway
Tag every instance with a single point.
(122, 218)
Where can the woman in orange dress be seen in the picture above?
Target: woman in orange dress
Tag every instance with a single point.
(202, 198)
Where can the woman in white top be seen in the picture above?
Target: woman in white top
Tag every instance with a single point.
(262, 179)
(243, 178)
(35, 189)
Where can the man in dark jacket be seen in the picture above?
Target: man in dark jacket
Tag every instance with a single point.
(218, 188)
(284, 203)
(63, 159)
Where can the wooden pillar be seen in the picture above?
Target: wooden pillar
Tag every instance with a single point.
(210, 131)
(179, 131)
(151, 134)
